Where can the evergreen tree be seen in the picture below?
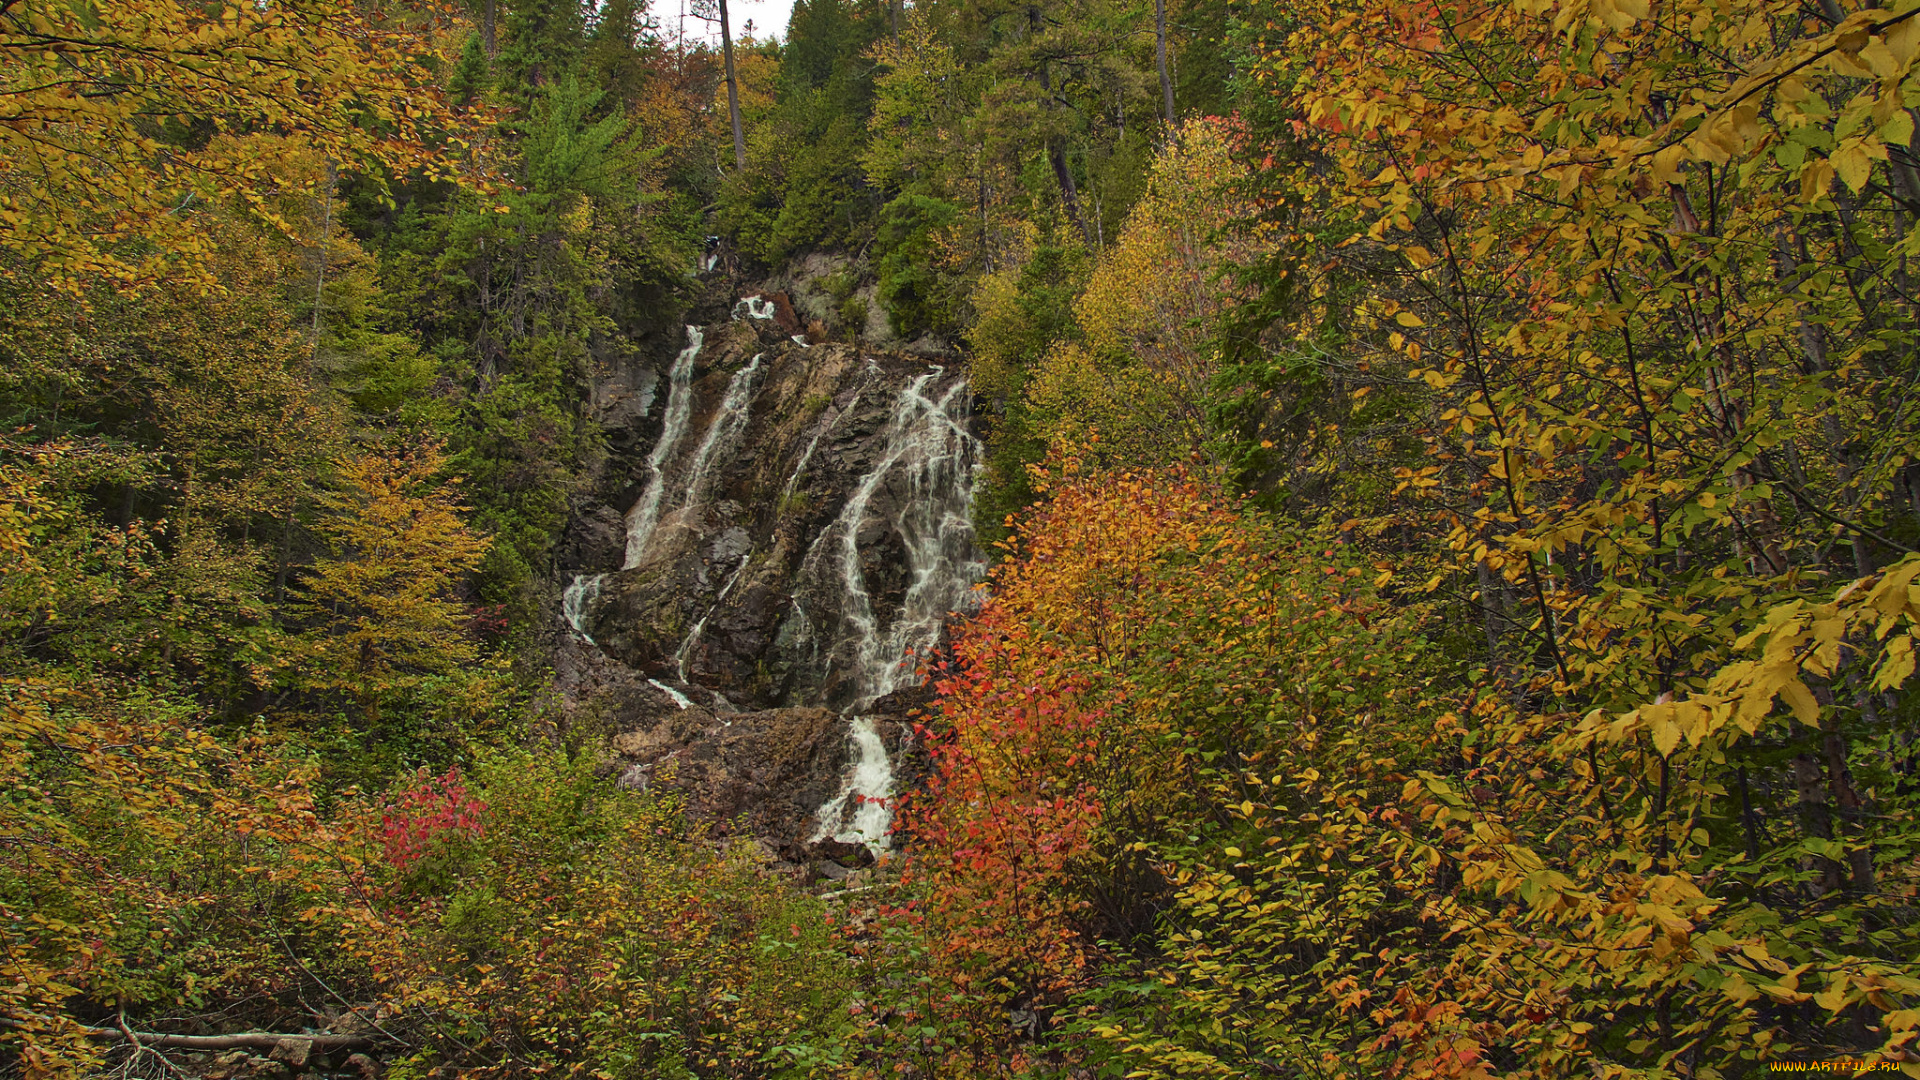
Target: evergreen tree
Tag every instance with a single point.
(545, 39)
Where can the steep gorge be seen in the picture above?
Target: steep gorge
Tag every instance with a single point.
(780, 530)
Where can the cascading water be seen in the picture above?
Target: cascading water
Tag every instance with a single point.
(753, 307)
(860, 613)
(827, 424)
(577, 602)
(725, 430)
(673, 695)
(861, 813)
(930, 450)
(645, 513)
(806, 457)
(693, 636)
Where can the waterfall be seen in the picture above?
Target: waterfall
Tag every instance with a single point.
(797, 631)
(869, 788)
(753, 307)
(852, 638)
(646, 512)
(828, 423)
(693, 636)
(727, 425)
(929, 448)
(806, 456)
(576, 603)
(676, 696)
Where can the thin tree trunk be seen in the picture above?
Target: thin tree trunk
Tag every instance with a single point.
(320, 265)
(1069, 195)
(1846, 798)
(1816, 817)
(733, 92)
(1489, 616)
(1160, 55)
(1057, 157)
(487, 36)
(256, 1040)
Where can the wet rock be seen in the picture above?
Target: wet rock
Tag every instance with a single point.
(930, 345)
(907, 701)
(805, 532)
(852, 856)
(597, 537)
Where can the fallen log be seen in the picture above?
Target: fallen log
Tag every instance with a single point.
(240, 1040)
(255, 1040)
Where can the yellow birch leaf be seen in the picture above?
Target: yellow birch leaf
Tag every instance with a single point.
(1816, 179)
(1666, 735)
(1898, 130)
(1880, 59)
(1739, 990)
(1903, 41)
(1801, 700)
(1853, 163)
(1896, 666)
(1667, 162)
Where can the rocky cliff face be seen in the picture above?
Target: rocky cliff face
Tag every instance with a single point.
(783, 529)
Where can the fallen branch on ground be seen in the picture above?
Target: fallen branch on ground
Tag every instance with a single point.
(259, 1040)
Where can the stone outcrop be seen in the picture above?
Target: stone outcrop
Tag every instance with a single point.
(781, 528)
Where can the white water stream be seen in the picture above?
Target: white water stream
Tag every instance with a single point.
(753, 307)
(576, 603)
(931, 459)
(862, 812)
(645, 513)
(725, 430)
(678, 698)
(693, 636)
(821, 429)
(918, 490)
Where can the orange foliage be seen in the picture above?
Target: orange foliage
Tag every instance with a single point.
(1123, 660)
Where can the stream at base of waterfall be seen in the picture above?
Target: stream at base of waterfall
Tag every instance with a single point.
(911, 506)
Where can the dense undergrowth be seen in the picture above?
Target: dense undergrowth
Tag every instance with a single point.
(1451, 478)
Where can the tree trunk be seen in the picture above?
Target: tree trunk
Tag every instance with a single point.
(487, 36)
(1847, 799)
(1069, 195)
(1057, 157)
(320, 266)
(1489, 615)
(733, 92)
(1160, 55)
(1816, 817)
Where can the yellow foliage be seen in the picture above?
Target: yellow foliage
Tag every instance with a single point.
(381, 601)
(1139, 376)
(98, 174)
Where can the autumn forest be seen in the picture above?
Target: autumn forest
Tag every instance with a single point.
(1330, 539)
